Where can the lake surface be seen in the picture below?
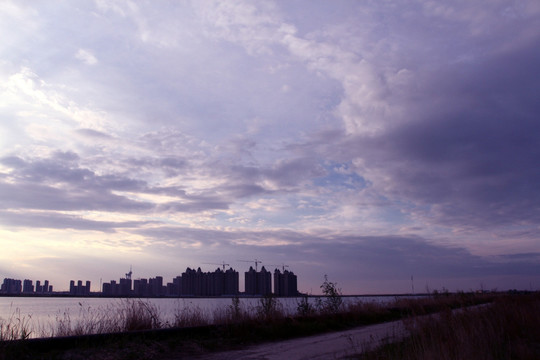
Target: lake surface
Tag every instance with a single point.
(43, 314)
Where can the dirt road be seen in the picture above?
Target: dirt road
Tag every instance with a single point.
(327, 346)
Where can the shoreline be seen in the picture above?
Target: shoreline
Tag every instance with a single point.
(98, 295)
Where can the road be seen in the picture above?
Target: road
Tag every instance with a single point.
(334, 345)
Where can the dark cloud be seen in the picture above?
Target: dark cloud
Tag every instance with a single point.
(245, 190)
(51, 220)
(169, 165)
(292, 173)
(533, 256)
(93, 134)
(58, 183)
(473, 157)
(194, 206)
(176, 235)
(35, 196)
(64, 168)
(351, 259)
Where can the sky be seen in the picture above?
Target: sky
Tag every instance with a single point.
(390, 145)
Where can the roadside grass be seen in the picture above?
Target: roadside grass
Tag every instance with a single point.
(139, 329)
(509, 328)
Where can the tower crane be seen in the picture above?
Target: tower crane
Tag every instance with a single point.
(222, 264)
(252, 261)
(283, 266)
(128, 275)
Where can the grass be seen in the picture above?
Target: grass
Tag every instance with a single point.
(16, 327)
(194, 331)
(507, 329)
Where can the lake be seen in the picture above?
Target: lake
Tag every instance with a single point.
(43, 314)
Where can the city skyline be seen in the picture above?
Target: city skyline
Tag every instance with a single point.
(374, 142)
(191, 282)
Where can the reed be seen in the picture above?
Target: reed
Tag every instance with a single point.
(16, 327)
(188, 316)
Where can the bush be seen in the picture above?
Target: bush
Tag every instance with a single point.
(333, 302)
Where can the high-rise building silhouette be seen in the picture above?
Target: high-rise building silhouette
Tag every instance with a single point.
(258, 283)
(11, 286)
(217, 283)
(285, 284)
(79, 289)
(28, 287)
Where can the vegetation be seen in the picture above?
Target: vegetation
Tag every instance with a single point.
(334, 298)
(507, 329)
(138, 331)
(16, 327)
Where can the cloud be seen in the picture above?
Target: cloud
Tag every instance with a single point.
(58, 183)
(352, 259)
(93, 134)
(86, 57)
(337, 137)
(470, 160)
(52, 220)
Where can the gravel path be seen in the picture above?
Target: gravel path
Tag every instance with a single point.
(334, 345)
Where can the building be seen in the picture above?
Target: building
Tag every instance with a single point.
(174, 287)
(155, 286)
(11, 286)
(198, 283)
(47, 288)
(79, 289)
(231, 282)
(140, 287)
(124, 287)
(258, 283)
(28, 287)
(285, 284)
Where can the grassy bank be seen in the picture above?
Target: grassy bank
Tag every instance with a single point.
(138, 332)
(507, 329)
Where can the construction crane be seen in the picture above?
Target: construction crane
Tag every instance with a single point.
(252, 261)
(128, 275)
(222, 264)
(283, 266)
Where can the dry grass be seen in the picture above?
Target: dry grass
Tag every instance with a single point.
(137, 314)
(16, 327)
(187, 316)
(509, 328)
(238, 324)
(129, 315)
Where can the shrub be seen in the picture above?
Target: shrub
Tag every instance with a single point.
(333, 302)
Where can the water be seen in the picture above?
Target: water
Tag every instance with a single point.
(42, 315)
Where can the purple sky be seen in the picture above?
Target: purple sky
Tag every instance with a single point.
(368, 140)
